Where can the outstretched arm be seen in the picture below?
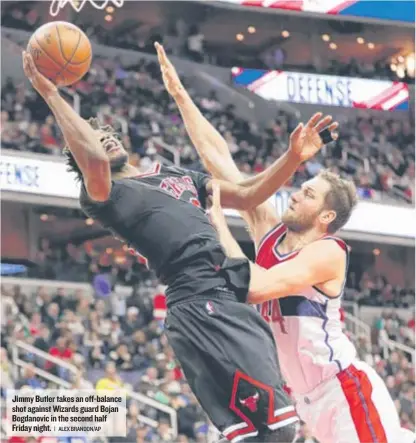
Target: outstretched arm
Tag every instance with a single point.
(250, 195)
(216, 157)
(313, 265)
(210, 144)
(212, 148)
(81, 139)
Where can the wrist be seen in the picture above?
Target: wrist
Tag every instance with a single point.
(180, 94)
(50, 95)
(294, 156)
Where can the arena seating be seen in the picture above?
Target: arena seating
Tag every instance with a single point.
(377, 153)
(113, 338)
(179, 42)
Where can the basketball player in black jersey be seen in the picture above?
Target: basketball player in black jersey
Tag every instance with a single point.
(225, 348)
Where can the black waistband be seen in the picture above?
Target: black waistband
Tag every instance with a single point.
(216, 294)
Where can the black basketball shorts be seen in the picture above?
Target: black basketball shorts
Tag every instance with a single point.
(228, 355)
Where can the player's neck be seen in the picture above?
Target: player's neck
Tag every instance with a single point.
(297, 240)
(127, 171)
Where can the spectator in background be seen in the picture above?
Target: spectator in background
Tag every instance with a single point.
(95, 347)
(35, 324)
(143, 434)
(73, 324)
(51, 317)
(111, 381)
(122, 358)
(29, 379)
(149, 382)
(61, 350)
(159, 306)
(164, 432)
(133, 321)
(42, 340)
(137, 347)
(60, 299)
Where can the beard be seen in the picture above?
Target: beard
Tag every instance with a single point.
(118, 163)
(296, 222)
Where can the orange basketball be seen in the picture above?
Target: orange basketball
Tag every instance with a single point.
(61, 52)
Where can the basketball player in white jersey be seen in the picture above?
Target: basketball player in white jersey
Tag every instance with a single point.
(298, 282)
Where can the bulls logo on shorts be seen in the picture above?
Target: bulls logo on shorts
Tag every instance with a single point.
(251, 402)
(250, 398)
(256, 404)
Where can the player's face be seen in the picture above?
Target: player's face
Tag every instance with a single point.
(114, 150)
(307, 206)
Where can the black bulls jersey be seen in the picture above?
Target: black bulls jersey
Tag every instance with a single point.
(161, 215)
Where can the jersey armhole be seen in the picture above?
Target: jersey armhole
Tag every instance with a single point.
(345, 248)
(90, 200)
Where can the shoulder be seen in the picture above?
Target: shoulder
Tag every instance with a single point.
(325, 250)
(324, 259)
(174, 170)
(338, 241)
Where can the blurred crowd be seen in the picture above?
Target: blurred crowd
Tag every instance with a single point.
(114, 339)
(105, 267)
(378, 154)
(86, 263)
(109, 349)
(188, 41)
(377, 291)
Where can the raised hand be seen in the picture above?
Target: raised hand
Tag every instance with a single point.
(305, 141)
(43, 85)
(170, 76)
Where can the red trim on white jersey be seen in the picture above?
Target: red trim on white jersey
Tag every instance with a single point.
(358, 389)
(339, 241)
(268, 235)
(283, 257)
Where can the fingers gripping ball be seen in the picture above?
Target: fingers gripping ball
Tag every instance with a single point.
(61, 52)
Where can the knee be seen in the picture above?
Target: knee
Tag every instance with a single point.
(286, 434)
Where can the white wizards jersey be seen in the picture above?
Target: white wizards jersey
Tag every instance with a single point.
(307, 326)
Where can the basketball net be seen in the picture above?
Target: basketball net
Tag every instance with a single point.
(57, 5)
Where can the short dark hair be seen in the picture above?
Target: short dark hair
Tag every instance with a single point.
(70, 160)
(341, 198)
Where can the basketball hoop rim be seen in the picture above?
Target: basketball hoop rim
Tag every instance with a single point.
(57, 5)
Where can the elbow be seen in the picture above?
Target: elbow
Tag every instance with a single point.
(98, 179)
(256, 287)
(252, 299)
(257, 295)
(246, 200)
